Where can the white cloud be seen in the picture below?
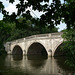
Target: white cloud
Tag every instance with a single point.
(36, 13)
(11, 8)
(61, 26)
(5, 2)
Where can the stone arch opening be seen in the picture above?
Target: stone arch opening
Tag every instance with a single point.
(59, 51)
(17, 50)
(37, 49)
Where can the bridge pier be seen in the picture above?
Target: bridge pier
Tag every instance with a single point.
(9, 52)
(50, 52)
(24, 52)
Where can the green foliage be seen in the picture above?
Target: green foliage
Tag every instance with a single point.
(68, 10)
(69, 47)
(69, 35)
(24, 28)
(4, 31)
(4, 34)
(69, 1)
(54, 12)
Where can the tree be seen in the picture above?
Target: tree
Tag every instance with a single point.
(4, 34)
(69, 47)
(23, 28)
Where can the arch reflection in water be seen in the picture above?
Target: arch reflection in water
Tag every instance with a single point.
(37, 61)
(17, 57)
(31, 66)
(17, 50)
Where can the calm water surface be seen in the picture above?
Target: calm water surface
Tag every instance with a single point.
(33, 65)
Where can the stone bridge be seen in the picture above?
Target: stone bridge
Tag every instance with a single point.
(35, 44)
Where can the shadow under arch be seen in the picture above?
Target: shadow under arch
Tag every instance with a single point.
(59, 51)
(36, 49)
(17, 50)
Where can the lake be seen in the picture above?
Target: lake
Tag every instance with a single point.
(33, 65)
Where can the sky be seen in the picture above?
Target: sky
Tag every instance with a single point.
(12, 8)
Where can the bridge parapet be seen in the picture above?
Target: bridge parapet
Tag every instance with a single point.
(12, 42)
(30, 37)
(45, 36)
(39, 36)
(56, 35)
(42, 35)
(18, 41)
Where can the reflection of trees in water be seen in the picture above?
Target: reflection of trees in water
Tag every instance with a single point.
(2, 64)
(35, 65)
(2, 58)
(61, 63)
(0, 73)
(37, 61)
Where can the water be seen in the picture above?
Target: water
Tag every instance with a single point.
(33, 65)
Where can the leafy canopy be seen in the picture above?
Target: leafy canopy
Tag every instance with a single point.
(54, 12)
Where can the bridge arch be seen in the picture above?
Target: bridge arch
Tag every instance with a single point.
(17, 50)
(36, 48)
(57, 51)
